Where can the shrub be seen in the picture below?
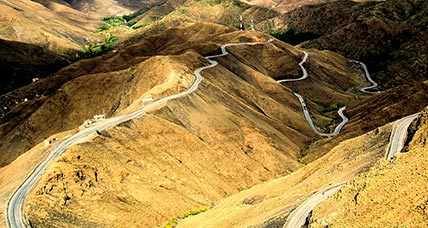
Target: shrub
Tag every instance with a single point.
(115, 21)
(110, 22)
(94, 49)
(332, 107)
(173, 222)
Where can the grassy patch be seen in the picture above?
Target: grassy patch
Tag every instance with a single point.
(332, 107)
(173, 222)
(126, 20)
(211, 2)
(95, 49)
(293, 37)
(111, 22)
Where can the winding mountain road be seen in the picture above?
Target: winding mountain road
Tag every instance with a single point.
(305, 107)
(399, 135)
(305, 72)
(368, 77)
(14, 210)
(298, 216)
(311, 122)
(15, 204)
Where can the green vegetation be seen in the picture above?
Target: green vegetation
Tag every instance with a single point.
(239, 4)
(173, 222)
(225, 2)
(211, 2)
(95, 49)
(114, 21)
(332, 107)
(293, 37)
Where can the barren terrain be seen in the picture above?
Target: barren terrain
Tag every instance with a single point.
(238, 151)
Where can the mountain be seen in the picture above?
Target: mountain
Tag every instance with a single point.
(250, 125)
(389, 194)
(213, 113)
(378, 192)
(268, 204)
(37, 41)
(389, 36)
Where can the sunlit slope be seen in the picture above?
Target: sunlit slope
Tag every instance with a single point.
(69, 106)
(269, 203)
(192, 152)
(59, 28)
(240, 124)
(390, 194)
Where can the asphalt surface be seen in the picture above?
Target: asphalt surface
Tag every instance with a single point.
(298, 216)
(305, 107)
(14, 210)
(399, 136)
(305, 72)
(311, 122)
(368, 77)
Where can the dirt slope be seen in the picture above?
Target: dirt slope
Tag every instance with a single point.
(193, 152)
(268, 204)
(240, 116)
(392, 31)
(283, 6)
(240, 129)
(390, 194)
(161, 42)
(21, 62)
(56, 29)
(389, 36)
(36, 41)
(225, 12)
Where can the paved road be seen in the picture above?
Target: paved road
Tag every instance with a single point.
(14, 209)
(368, 77)
(311, 122)
(399, 135)
(297, 217)
(305, 72)
(305, 108)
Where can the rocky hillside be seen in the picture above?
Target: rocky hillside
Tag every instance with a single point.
(390, 36)
(284, 6)
(240, 115)
(225, 12)
(239, 151)
(60, 30)
(379, 192)
(389, 194)
(269, 204)
(36, 41)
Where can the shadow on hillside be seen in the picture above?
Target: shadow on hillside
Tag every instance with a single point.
(21, 62)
